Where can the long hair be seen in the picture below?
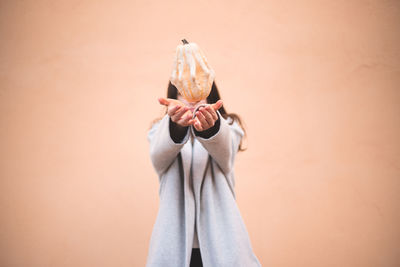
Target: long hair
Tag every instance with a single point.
(213, 97)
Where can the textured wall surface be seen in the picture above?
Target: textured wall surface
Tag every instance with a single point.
(316, 82)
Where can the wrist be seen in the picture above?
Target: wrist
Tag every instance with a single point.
(177, 132)
(210, 131)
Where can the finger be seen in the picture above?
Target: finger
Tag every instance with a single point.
(169, 101)
(198, 126)
(192, 121)
(172, 110)
(217, 105)
(213, 112)
(178, 114)
(181, 112)
(202, 119)
(207, 116)
(164, 101)
(186, 118)
(188, 115)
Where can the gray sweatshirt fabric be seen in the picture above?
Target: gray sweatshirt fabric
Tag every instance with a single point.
(201, 190)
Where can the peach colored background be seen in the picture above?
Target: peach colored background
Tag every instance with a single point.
(316, 82)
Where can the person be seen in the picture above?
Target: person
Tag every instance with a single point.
(193, 149)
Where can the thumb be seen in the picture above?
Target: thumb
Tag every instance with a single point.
(217, 105)
(163, 101)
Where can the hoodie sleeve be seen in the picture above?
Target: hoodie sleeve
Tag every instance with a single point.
(163, 149)
(223, 144)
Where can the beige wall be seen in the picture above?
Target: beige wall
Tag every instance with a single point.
(317, 83)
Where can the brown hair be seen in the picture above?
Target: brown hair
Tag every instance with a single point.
(213, 97)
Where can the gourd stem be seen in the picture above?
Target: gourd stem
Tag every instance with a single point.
(185, 42)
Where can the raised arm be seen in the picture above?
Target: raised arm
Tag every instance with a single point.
(163, 149)
(221, 139)
(168, 136)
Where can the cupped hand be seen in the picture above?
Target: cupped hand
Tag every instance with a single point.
(179, 113)
(206, 116)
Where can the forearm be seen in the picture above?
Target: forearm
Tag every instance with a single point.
(163, 149)
(219, 143)
(177, 132)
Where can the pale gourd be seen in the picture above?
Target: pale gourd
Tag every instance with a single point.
(191, 73)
